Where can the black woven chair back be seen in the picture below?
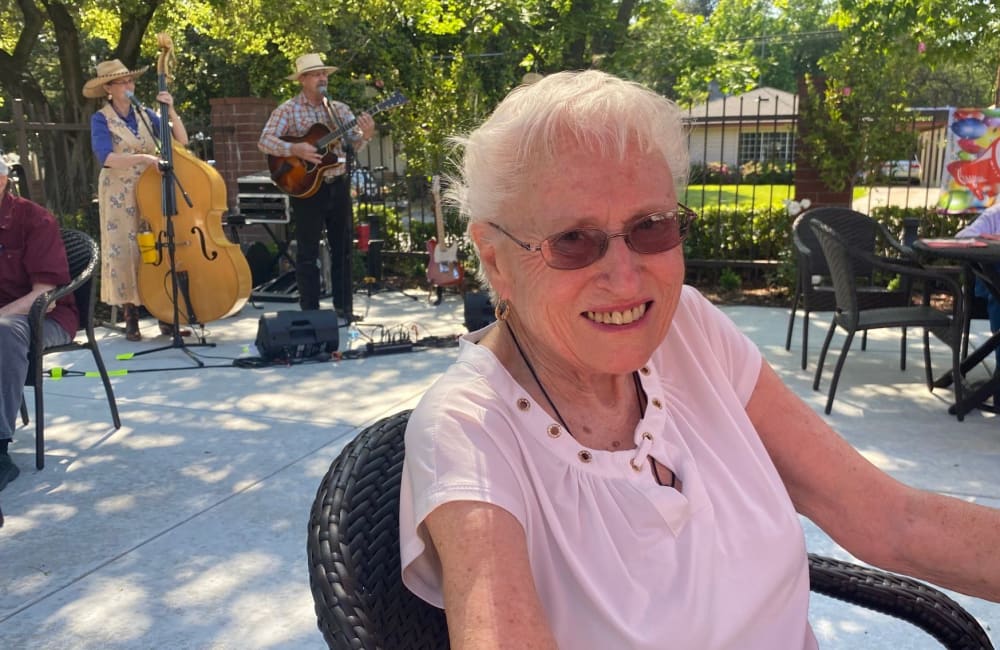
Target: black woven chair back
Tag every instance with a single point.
(361, 603)
(353, 547)
(82, 252)
(858, 229)
(842, 267)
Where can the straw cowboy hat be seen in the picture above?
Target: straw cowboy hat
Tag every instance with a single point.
(108, 71)
(309, 63)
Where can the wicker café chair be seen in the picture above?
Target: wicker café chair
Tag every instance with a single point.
(852, 316)
(864, 233)
(361, 603)
(83, 255)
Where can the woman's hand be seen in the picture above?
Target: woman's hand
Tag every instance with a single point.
(165, 97)
(146, 159)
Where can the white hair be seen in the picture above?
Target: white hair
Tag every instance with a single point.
(601, 112)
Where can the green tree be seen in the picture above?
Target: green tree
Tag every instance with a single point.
(946, 32)
(885, 62)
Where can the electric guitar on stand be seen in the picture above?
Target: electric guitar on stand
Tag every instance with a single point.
(301, 178)
(443, 267)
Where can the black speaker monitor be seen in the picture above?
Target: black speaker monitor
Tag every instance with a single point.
(297, 334)
(478, 310)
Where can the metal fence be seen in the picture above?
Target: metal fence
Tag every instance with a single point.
(742, 162)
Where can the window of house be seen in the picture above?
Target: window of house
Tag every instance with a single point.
(766, 147)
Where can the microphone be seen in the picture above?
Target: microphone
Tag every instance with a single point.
(132, 100)
(322, 91)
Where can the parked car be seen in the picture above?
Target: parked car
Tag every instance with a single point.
(901, 170)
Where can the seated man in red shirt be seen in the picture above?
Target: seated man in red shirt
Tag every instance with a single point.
(32, 261)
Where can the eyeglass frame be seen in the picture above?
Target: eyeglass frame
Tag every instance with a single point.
(683, 214)
(121, 82)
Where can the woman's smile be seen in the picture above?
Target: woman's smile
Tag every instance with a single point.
(618, 317)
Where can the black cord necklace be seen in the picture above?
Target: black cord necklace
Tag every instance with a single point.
(534, 375)
(538, 381)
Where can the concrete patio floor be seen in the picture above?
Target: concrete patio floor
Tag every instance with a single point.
(186, 528)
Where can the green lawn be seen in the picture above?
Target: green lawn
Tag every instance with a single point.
(745, 196)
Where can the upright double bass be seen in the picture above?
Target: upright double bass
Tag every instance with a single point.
(197, 268)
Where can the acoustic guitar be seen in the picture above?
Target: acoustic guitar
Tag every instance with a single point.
(301, 178)
(443, 267)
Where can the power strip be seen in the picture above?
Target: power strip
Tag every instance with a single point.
(388, 347)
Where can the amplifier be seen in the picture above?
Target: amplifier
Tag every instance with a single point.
(259, 200)
(297, 334)
(263, 208)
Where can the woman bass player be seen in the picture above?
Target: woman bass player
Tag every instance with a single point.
(125, 144)
(330, 205)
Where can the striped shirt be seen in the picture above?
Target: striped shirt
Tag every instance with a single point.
(296, 116)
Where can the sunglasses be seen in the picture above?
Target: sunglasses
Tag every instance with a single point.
(580, 247)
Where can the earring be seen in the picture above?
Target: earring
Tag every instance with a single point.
(502, 310)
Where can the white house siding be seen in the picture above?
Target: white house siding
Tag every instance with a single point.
(720, 143)
(715, 126)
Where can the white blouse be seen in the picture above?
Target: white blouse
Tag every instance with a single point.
(620, 561)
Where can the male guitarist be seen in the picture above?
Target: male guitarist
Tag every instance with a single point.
(330, 205)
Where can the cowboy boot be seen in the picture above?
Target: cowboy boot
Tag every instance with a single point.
(132, 322)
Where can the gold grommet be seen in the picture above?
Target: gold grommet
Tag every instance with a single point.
(523, 404)
(644, 370)
(585, 456)
(657, 403)
(554, 431)
(647, 435)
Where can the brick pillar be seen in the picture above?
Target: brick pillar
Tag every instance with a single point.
(236, 127)
(808, 184)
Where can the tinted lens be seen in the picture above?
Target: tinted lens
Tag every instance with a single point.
(574, 249)
(656, 233)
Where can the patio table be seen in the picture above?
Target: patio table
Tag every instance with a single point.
(979, 256)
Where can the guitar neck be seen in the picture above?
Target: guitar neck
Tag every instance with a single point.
(337, 133)
(344, 127)
(438, 212)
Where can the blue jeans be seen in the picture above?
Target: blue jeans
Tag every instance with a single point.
(15, 342)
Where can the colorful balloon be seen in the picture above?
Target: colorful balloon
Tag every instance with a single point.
(968, 128)
(968, 113)
(971, 146)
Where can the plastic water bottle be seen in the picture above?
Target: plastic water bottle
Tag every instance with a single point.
(353, 334)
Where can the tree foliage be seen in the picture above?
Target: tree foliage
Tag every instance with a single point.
(456, 60)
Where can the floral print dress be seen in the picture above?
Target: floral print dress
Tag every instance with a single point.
(120, 214)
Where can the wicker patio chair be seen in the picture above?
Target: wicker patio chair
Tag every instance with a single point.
(853, 317)
(864, 233)
(361, 603)
(83, 254)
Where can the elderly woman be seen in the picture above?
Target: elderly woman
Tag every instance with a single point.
(613, 464)
(125, 143)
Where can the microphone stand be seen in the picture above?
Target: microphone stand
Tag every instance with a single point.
(168, 204)
(346, 281)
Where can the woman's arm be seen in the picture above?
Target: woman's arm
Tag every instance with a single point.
(878, 519)
(489, 594)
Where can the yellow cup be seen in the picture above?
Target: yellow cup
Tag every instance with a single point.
(147, 246)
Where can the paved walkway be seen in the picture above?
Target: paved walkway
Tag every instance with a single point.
(187, 527)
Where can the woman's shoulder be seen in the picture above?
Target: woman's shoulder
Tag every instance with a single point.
(100, 116)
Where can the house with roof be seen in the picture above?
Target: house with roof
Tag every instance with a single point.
(756, 126)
